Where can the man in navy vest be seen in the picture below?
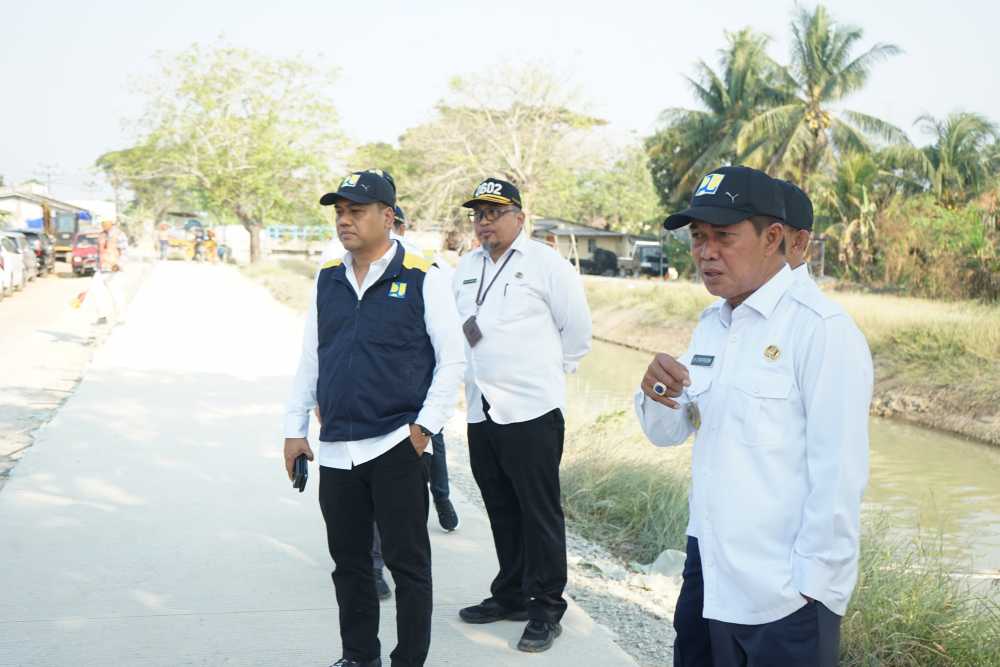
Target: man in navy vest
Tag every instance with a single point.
(382, 359)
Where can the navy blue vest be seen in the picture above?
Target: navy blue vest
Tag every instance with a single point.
(376, 360)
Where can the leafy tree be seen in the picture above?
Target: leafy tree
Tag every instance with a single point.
(523, 125)
(247, 136)
(961, 160)
(620, 196)
(691, 142)
(824, 70)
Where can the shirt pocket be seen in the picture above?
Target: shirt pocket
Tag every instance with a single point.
(520, 301)
(465, 300)
(767, 403)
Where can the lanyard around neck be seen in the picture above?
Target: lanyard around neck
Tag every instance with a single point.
(481, 294)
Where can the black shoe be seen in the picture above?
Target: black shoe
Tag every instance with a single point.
(447, 516)
(490, 611)
(538, 636)
(382, 588)
(349, 662)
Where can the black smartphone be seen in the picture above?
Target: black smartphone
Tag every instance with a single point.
(300, 473)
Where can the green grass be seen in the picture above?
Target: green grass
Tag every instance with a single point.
(926, 345)
(621, 491)
(289, 280)
(654, 301)
(907, 611)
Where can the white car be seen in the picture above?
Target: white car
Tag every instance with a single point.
(12, 276)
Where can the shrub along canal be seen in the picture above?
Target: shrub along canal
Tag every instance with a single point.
(927, 482)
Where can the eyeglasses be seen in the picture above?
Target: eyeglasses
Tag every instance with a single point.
(491, 214)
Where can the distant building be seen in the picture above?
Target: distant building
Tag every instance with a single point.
(574, 240)
(26, 209)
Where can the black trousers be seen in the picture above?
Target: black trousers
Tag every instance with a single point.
(438, 465)
(809, 637)
(392, 490)
(693, 643)
(517, 469)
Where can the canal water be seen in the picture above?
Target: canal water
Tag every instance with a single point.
(936, 484)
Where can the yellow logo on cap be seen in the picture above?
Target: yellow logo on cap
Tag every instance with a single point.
(709, 185)
(350, 181)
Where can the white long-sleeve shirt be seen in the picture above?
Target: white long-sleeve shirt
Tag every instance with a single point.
(444, 330)
(536, 328)
(780, 462)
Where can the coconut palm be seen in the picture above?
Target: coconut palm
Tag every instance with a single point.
(961, 159)
(805, 131)
(692, 141)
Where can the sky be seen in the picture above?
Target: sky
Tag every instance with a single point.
(66, 66)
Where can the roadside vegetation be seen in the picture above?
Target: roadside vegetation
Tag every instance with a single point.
(937, 362)
(288, 280)
(907, 610)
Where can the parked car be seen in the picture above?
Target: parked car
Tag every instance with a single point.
(13, 275)
(44, 249)
(647, 259)
(85, 253)
(30, 261)
(602, 263)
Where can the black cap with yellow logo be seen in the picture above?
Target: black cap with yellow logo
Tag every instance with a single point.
(364, 187)
(495, 191)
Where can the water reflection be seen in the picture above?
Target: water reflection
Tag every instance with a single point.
(924, 480)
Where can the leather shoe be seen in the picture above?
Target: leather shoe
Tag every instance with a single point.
(538, 636)
(350, 662)
(490, 611)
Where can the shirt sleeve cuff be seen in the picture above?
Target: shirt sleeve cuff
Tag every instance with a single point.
(811, 577)
(429, 421)
(297, 425)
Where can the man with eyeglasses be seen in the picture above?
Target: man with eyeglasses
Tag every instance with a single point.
(526, 324)
(381, 359)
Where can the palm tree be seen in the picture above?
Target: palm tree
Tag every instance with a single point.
(805, 131)
(961, 159)
(692, 141)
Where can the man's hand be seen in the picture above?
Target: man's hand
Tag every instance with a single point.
(669, 372)
(294, 447)
(418, 439)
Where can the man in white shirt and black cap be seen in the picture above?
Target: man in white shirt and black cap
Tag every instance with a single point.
(435, 457)
(382, 359)
(526, 324)
(798, 228)
(775, 387)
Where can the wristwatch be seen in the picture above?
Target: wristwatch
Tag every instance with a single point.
(424, 430)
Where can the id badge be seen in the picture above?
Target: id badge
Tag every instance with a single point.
(471, 330)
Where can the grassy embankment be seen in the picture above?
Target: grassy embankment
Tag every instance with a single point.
(907, 610)
(937, 364)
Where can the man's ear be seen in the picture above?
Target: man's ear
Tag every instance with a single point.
(773, 236)
(802, 239)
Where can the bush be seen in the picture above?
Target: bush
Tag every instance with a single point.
(929, 250)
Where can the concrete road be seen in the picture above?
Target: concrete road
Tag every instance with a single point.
(152, 523)
(45, 345)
